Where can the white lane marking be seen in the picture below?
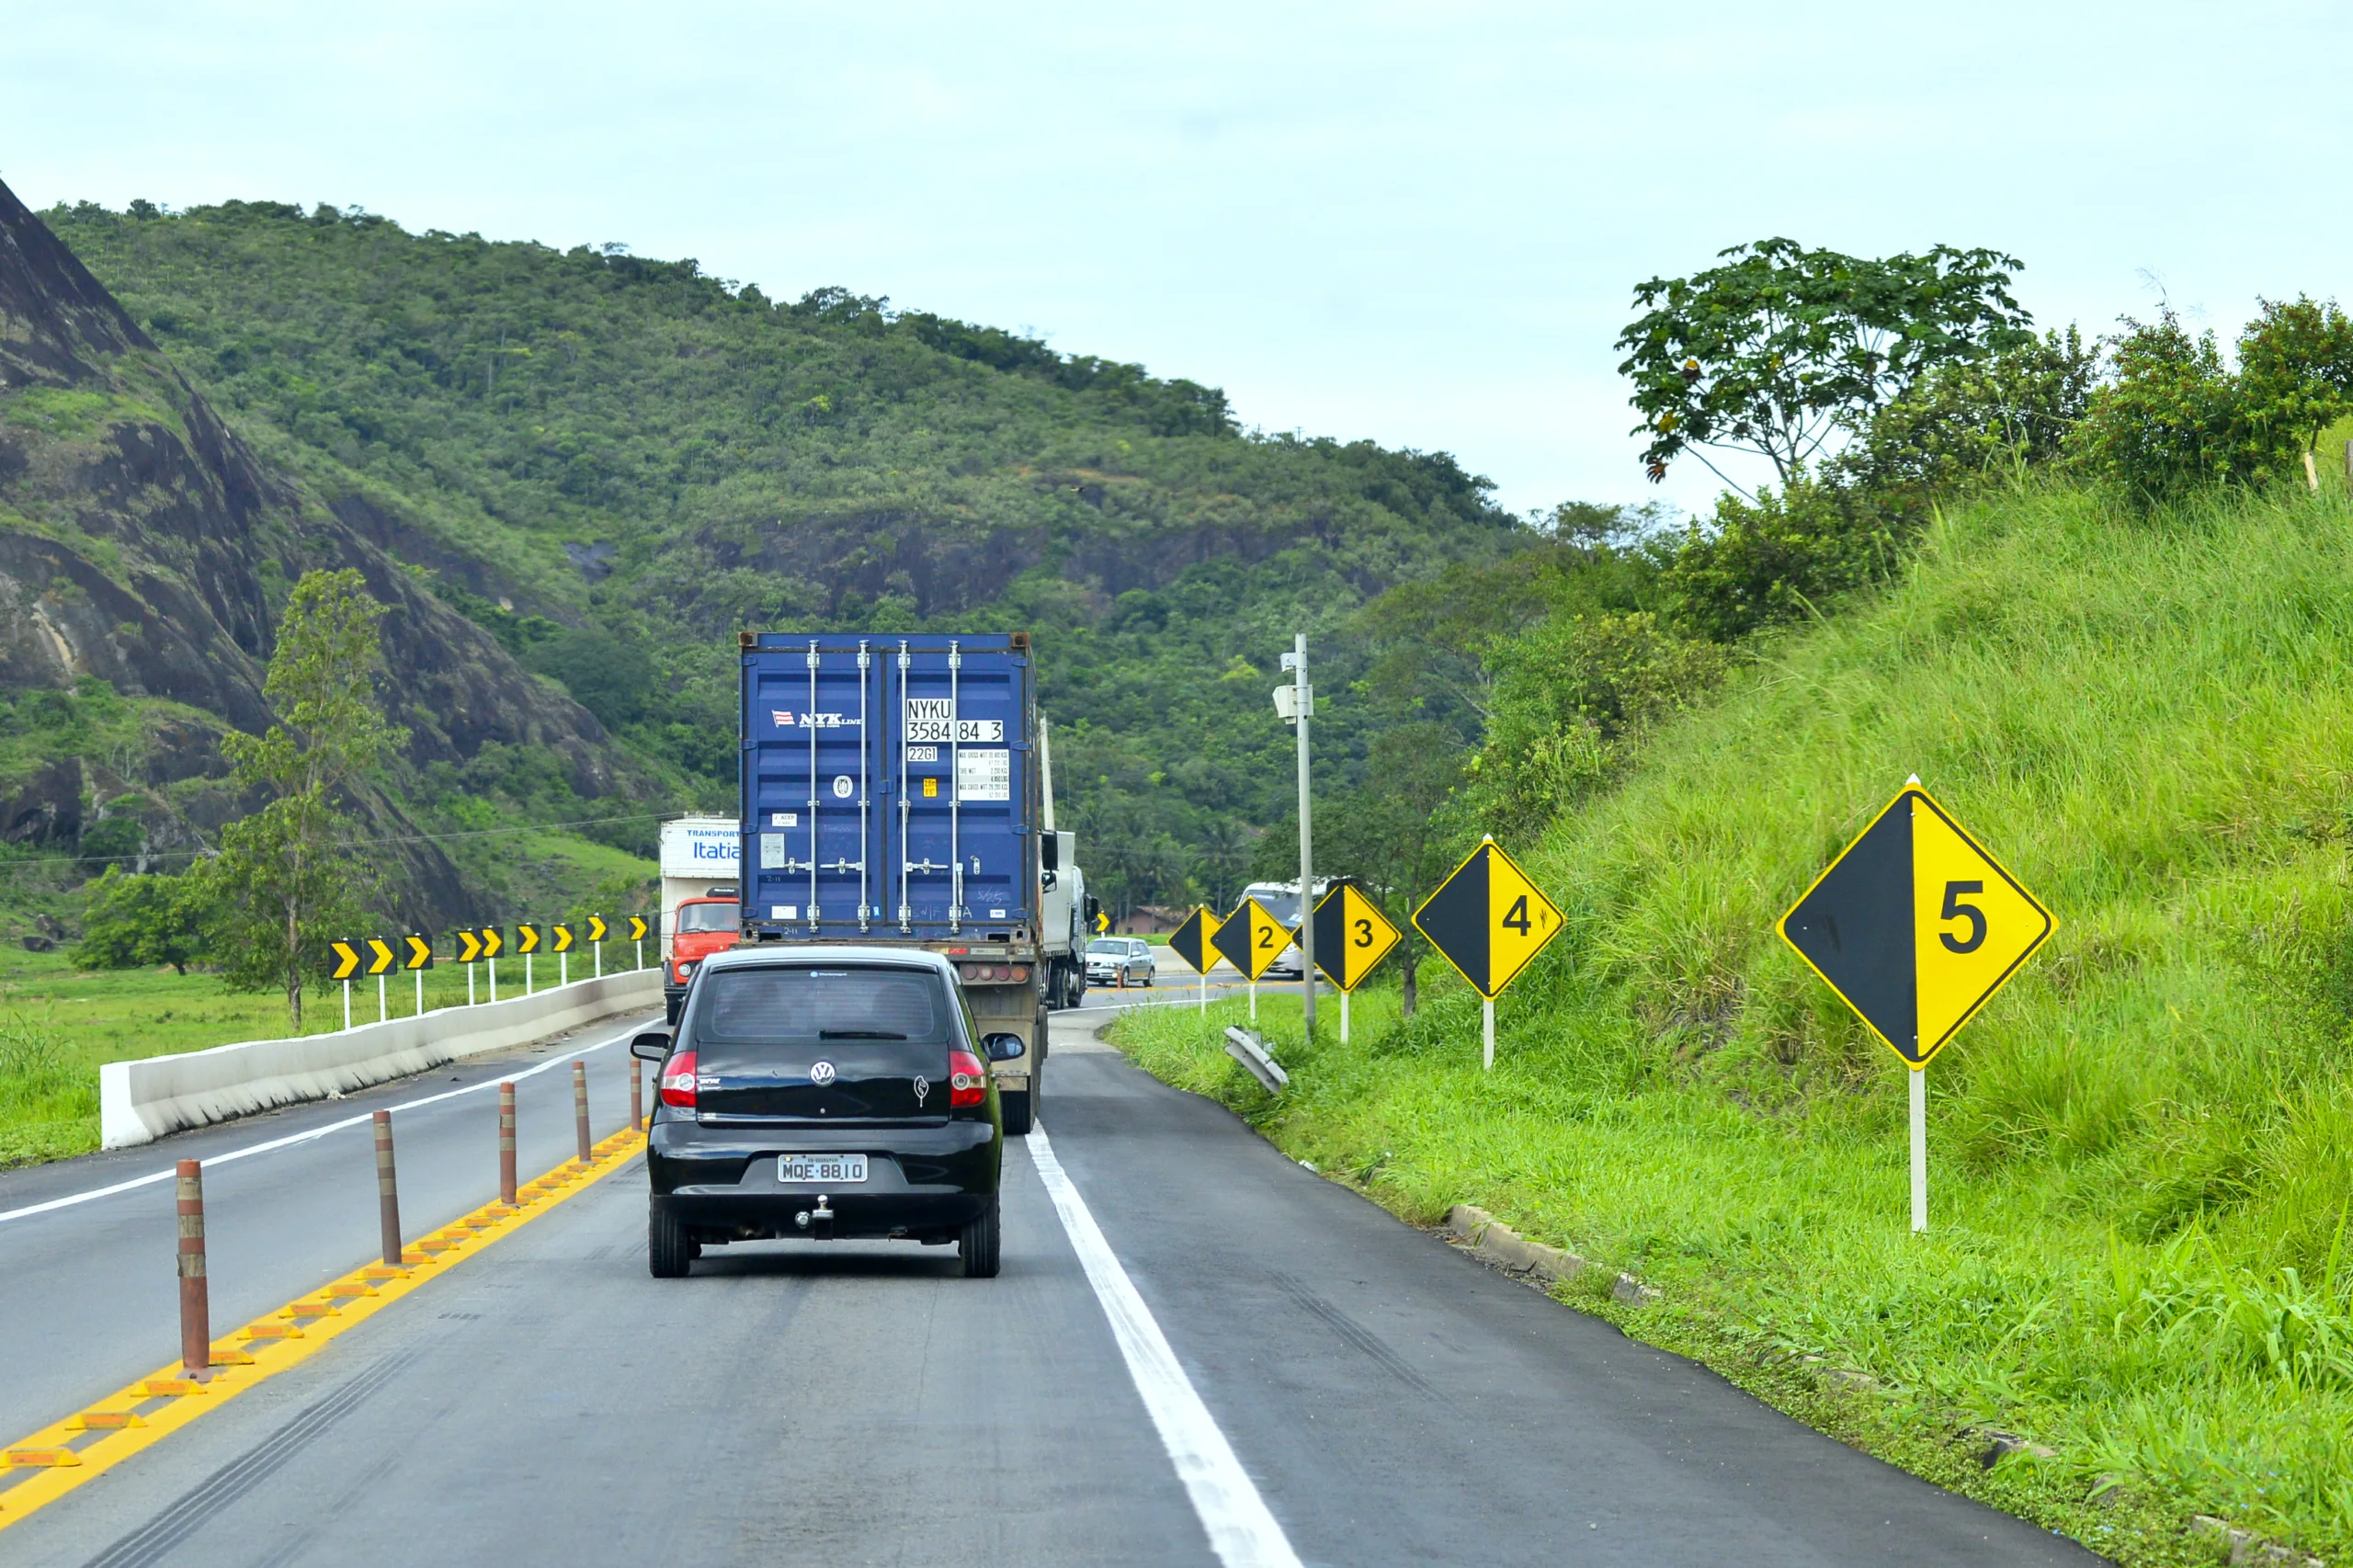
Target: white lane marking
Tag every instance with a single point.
(1242, 1531)
(291, 1139)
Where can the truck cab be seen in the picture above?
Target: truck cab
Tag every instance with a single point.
(698, 928)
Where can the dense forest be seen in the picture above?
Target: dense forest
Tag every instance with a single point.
(612, 464)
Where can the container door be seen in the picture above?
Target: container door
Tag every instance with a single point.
(959, 769)
(812, 859)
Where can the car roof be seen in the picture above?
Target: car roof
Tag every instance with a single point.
(765, 955)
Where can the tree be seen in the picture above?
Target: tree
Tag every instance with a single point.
(138, 922)
(1779, 348)
(1395, 835)
(2165, 424)
(283, 882)
(2296, 377)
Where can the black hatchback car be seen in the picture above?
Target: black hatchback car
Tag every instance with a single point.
(827, 1092)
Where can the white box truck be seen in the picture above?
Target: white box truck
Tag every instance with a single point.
(700, 856)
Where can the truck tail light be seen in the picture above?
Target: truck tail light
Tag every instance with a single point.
(968, 1081)
(679, 1080)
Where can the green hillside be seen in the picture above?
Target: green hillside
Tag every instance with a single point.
(616, 463)
(2141, 1154)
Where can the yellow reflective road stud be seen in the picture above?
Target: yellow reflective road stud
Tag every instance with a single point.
(1193, 941)
(1488, 919)
(380, 957)
(346, 958)
(1916, 926)
(563, 934)
(1352, 935)
(1251, 939)
(420, 951)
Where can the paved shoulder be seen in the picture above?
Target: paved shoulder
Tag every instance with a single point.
(1396, 1402)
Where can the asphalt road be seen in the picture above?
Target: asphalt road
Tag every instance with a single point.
(1379, 1397)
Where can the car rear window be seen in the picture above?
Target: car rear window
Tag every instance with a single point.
(1107, 945)
(805, 1005)
(710, 916)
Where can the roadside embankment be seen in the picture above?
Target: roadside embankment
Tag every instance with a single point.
(2140, 1153)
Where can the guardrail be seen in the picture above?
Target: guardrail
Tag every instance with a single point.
(141, 1101)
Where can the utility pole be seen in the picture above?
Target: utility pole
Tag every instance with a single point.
(1302, 703)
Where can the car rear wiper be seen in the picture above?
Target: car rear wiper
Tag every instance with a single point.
(858, 1034)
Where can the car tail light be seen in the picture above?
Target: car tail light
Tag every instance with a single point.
(968, 1081)
(679, 1080)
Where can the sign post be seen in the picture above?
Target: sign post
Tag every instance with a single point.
(380, 959)
(1916, 926)
(1355, 936)
(637, 934)
(493, 943)
(1251, 939)
(527, 942)
(417, 960)
(596, 930)
(1295, 704)
(346, 965)
(1488, 920)
(561, 932)
(1193, 941)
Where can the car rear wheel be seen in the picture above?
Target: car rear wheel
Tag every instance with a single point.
(977, 1244)
(669, 1250)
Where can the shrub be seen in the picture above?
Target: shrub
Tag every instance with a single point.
(1777, 559)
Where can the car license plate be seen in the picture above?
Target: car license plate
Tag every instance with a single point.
(821, 1167)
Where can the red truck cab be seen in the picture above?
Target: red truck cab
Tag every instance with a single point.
(698, 928)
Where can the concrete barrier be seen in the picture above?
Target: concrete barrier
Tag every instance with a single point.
(141, 1101)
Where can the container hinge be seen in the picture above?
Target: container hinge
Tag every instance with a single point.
(929, 866)
(840, 867)
(791, 865)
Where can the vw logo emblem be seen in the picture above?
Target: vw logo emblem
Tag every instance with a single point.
(821, 1074)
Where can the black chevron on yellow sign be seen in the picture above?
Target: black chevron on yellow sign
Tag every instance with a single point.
(563, 934)
(493, 942)
(420, 951)
(380, 957)
(527, 938)
(469, 946)
(637, 927)
(597, 927)
(346, 958)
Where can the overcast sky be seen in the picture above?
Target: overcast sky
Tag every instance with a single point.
(1415, 224)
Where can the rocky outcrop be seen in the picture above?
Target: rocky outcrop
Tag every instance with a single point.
(142, 542)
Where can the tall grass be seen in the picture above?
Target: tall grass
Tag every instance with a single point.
(2142, 1151)
(49, 1097)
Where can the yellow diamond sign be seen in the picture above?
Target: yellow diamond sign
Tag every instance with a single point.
(1251, 939)
(1191, 941)
(1352, 935)
(1916, 926)
(1488, 919)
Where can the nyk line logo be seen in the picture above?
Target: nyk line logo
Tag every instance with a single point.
(786, 719)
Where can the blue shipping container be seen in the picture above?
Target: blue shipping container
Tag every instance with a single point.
(889, 787)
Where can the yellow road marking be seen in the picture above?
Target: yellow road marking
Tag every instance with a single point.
(53, 1464)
